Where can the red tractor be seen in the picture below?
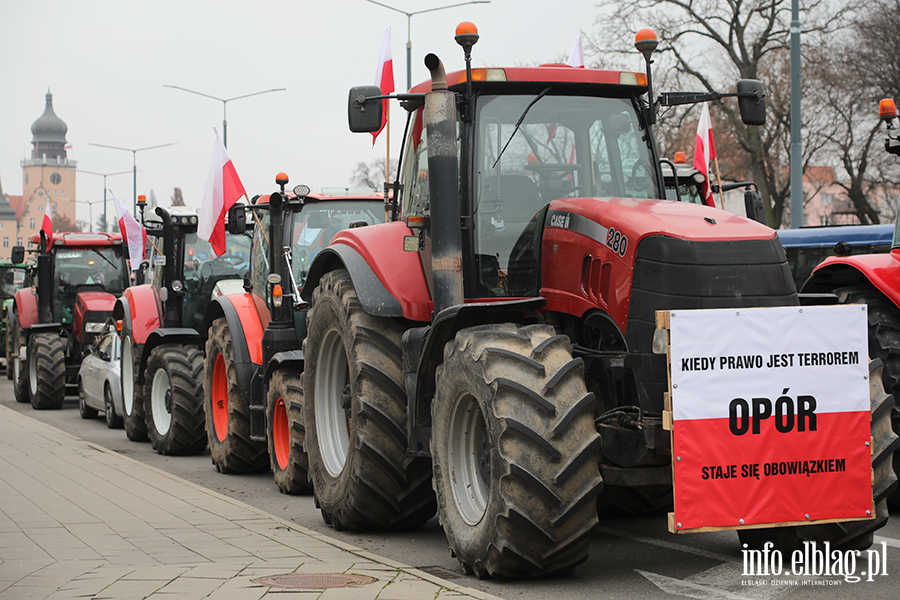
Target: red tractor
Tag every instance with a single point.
(253, 357)
(77, 278)
(162, 337)
(874, 280)
(488, 354)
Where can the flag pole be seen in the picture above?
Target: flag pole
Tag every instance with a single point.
(387, 160)
(719, 178)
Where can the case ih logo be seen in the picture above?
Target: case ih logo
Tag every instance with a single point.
(560, 220)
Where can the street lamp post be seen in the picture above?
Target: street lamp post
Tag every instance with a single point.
(104, 176)
(224, 102)
(409, 16)
(90, 209)
(134, 152)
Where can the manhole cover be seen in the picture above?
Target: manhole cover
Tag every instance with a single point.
(314, 580)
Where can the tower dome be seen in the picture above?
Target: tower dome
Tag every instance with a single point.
(49, 133)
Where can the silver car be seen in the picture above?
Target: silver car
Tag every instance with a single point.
(98, 381)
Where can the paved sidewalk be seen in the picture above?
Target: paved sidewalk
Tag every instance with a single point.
(79, 521)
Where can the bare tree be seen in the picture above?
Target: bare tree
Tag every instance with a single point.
(62, 223)
(372, 174)
(711, 43)
(177, 198)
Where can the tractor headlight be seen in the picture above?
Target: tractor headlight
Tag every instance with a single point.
(177, 286)
(93, 327)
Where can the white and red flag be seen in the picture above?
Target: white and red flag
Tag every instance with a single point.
(47, 224)
(384, 77)
(133, 233)
(223, 189)
(704, 152)
(576, 56)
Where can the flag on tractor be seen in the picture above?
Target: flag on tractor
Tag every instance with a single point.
(47, 224)
(704, 152)
(223, 189)
(384, 78)
(133, 233)
(576, 56)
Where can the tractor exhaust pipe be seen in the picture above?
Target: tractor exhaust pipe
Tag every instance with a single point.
(443, 187)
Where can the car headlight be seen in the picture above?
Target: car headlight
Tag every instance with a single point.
(93, 327)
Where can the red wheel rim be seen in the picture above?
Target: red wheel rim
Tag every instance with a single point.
(219, 397)
(281, 434)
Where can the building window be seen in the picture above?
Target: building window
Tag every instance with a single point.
(6, 242)
(31, 223)
(19, 242)
(827, 199)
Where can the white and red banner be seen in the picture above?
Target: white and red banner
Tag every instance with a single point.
(223, 189)
(705, 151)
(133, 233)
(47, 223)
(384, 78)
(771, 415)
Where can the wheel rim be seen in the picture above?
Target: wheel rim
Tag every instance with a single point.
(219, 398)
(332, 423)
(16, 368)
(32, 372)
(127, 377)
(281, 434)
(468, 453)
(160, 395)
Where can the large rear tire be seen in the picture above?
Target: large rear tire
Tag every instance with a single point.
(850, 535)
(132, 393)
(46, 371)
(11, 343)
(884, 343)
(284, 419)
(355, 416)
(20, 372)
(515, 452)
(173, 400)
(227, 415)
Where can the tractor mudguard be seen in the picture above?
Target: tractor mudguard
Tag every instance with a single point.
(141, 312)
(292, 359)
(423, 352)
(246, 333)
(880, 270)
(169, 335)
(389, 283)
(26, 308)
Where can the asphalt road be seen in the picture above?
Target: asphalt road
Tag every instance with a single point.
(630, 558)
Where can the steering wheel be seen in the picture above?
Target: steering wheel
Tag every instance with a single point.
(640, 175)
(552, 171)
(233, 260)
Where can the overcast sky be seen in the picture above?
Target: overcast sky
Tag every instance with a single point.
(106, 63)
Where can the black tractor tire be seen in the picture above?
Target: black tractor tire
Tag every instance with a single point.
(132, 392)
(10, 342)
(849, 535)
(515, 452)
(113, 421)
(227, 415)
(884, 343)
(19, 368)
(46, 371)
(84, 410)
(173, 400)
(284, 421)
(355, 412)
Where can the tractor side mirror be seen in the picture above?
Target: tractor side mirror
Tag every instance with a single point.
(752, 101)
(364, 116)
(237, 219)
(18, 255)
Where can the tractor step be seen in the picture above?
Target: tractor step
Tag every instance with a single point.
(258, 423)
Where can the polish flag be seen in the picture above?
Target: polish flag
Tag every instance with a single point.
(384, 77)
(47, 224)
(576, 56)
(223, 189)
(705, 152)
(133, 233)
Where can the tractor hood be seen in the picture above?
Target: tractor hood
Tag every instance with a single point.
(92, 309)
(638, 218)
(91, 301)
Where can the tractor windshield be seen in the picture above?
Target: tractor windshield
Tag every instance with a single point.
(97, 268)
(566, 146)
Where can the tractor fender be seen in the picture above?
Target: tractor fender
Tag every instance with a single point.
(26, 308)
(290, 359)
(168, 335)
(140, 310)
(246, 333)
(388, 281)
(879, 270)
